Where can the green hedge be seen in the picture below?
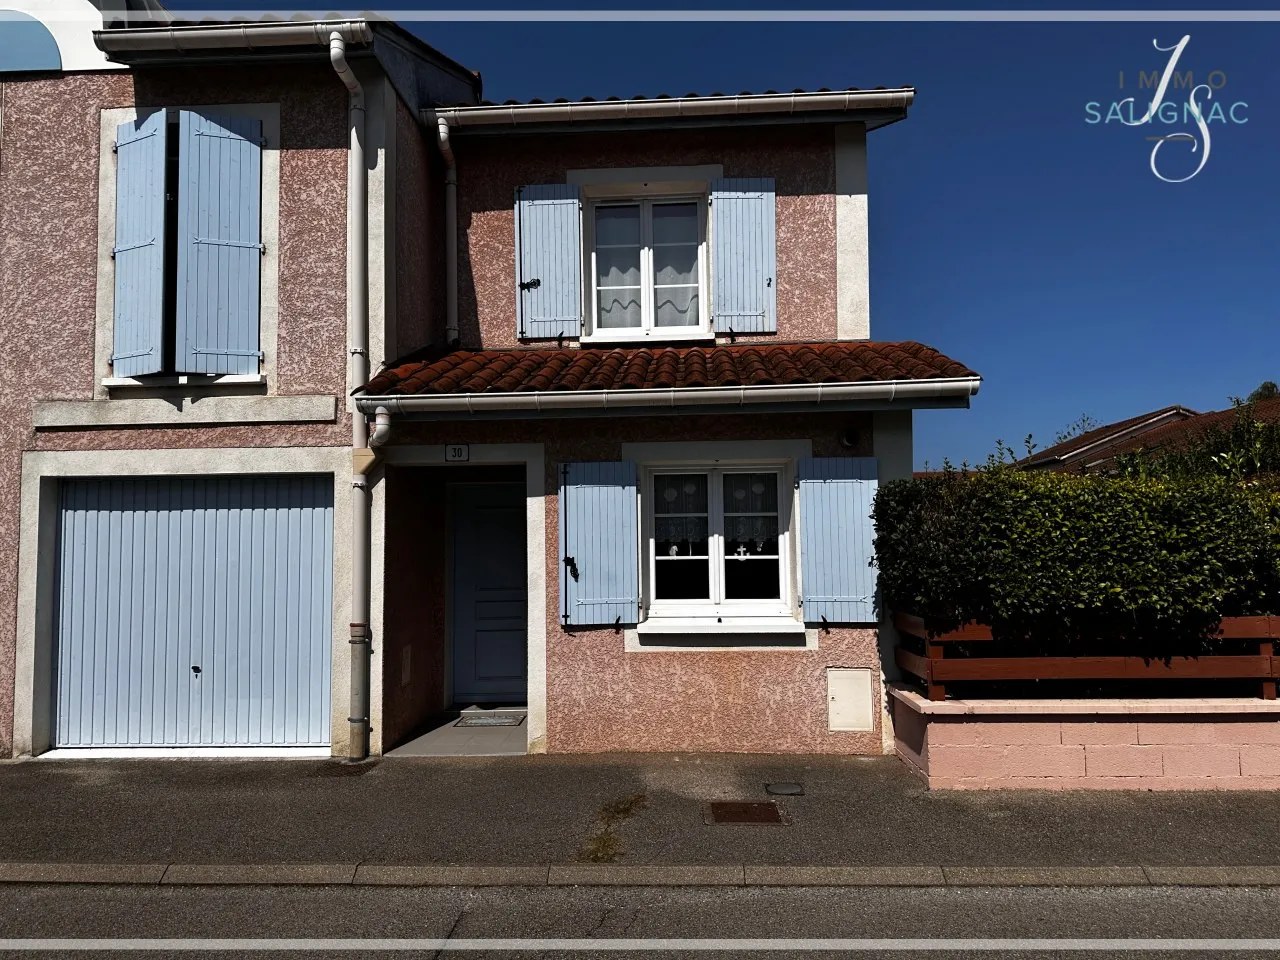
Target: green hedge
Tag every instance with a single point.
(1080, 564)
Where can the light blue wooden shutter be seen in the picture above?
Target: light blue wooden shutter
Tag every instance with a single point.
(838, 583)
(219, 243)
(548, 262)
(599, 543)
(744, 289)
(139, 247)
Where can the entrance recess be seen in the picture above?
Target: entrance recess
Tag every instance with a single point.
(489, 594)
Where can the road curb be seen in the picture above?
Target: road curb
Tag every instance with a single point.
(629, 875)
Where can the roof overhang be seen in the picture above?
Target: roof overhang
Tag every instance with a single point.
(875, 108)
(876, 395)
(276, 39)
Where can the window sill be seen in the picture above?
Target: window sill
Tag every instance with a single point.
(182, 380)
(731, 625)
(702, 336)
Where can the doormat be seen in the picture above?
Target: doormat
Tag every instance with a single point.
(490, 720)
(732, 812)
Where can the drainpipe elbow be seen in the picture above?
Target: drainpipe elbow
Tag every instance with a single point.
(381, 428)
(338, 57)
(446, 148)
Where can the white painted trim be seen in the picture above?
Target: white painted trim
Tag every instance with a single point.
(904, 393)
(533, 457)
(269, 278)
(631, 642)
(186, 753)
(703, 616)
(773, 455)
(853, 264)
(183, 380)
(38, 521)
(680, 626)
(646, 196)
(183, 411)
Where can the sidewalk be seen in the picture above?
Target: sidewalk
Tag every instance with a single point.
(551, 813)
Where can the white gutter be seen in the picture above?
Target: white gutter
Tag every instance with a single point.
(888, 391)
(745, 104)
(358, 346)
(451, 231)
(231, 36)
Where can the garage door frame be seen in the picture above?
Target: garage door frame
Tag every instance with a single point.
(41, 473)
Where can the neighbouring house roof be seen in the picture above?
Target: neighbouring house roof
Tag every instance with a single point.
(1067, 454)
(846, 373)
(874, 108)
(1176, 434)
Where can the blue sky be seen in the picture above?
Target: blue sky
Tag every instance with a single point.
(1006, 230)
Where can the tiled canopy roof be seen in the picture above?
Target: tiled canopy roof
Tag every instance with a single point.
(638, 368)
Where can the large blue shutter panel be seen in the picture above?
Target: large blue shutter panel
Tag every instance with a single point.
(194, 612)
(744, 288)
(548, 262)
(599, 543)
(139, 247)
(219, 243)
(838, 583)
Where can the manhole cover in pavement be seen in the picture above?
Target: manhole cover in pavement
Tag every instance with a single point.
(725, 811)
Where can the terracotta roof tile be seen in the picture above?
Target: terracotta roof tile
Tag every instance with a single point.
(636, 368)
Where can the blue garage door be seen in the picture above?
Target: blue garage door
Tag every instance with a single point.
(194, 612)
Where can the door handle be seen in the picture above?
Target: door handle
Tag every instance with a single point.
(195, 670)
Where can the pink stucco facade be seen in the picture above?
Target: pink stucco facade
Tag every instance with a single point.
(49, 226)
(602, 696)
(1123, 746)
(599, 695)
(800, 159)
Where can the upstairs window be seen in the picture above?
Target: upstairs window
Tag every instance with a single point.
(188, 245)
(684, 255)
(648, 268)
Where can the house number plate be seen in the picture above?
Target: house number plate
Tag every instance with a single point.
(457, 452)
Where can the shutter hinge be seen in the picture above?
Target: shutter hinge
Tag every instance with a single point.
(572, 566)
(533, 284)
(131, 246)
(262, 247)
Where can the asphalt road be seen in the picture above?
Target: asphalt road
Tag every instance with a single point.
(469, 915)
(856, 811)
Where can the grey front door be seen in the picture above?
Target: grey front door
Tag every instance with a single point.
(490, 593)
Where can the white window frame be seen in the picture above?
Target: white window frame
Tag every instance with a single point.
(717, 614)
(646, 197)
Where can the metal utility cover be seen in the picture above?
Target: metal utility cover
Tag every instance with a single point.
(761, 812)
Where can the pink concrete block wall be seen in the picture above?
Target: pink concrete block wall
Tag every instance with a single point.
(1112, 752)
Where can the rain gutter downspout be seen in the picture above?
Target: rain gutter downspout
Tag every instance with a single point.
(358, 346)
(451, 231)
